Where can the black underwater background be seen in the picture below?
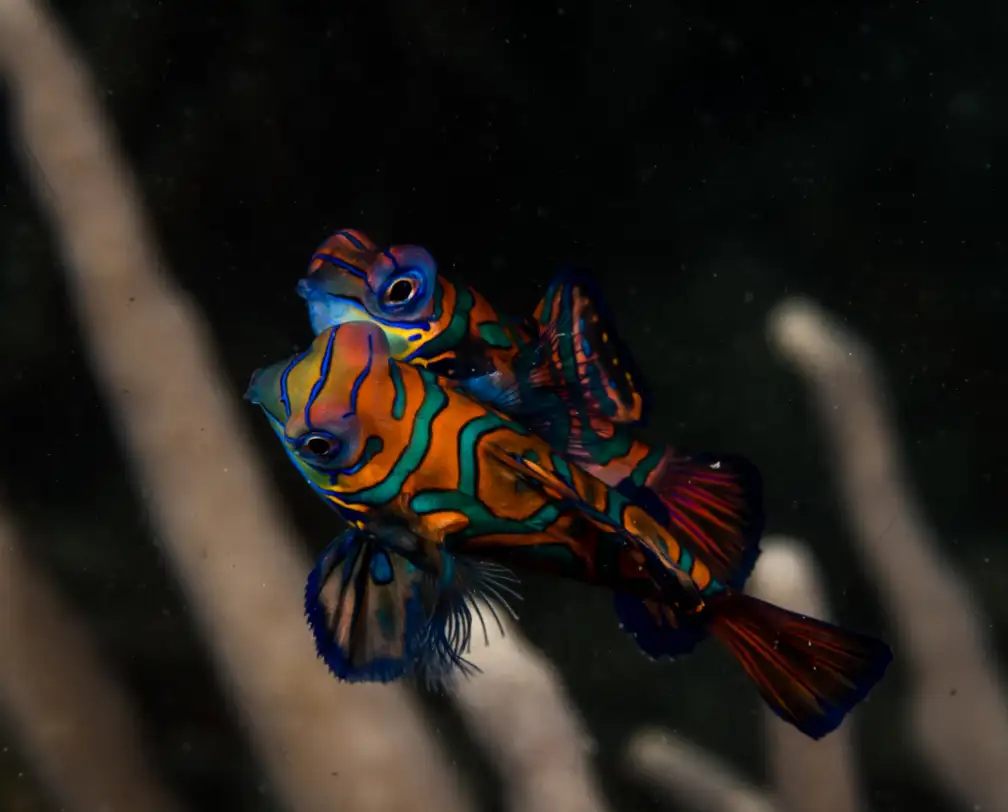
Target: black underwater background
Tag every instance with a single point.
(703, 160)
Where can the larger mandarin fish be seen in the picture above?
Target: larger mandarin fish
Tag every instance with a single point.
(455, 493)
(567, 355)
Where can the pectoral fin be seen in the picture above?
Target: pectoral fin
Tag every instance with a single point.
(368, 608)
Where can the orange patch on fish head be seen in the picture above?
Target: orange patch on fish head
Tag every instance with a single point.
(326, 389)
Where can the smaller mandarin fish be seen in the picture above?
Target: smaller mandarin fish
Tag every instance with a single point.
(455, 494)
(427, 320)
(565, 362)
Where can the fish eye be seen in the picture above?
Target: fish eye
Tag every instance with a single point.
(320, 446)
(401, 291)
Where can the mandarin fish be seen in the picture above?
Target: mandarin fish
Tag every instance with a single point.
(567, 356)
(453, 495)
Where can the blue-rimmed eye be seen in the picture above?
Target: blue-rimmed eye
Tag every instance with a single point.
(402, 289)
(320, 445)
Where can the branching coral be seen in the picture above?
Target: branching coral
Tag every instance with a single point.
(519, 711)
(75, 724)
(326, 745)
(322, 743)
(958, 709)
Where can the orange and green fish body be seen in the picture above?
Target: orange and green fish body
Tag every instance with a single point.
(567, 362)
(397, 442)
(450, 492)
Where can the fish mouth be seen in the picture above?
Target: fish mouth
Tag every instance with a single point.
(326, 309)
(252, 390)
(306, 288)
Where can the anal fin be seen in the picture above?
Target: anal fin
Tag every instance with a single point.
(656, 628)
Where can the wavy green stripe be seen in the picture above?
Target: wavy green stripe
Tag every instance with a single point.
(468, 440)
(416, 450)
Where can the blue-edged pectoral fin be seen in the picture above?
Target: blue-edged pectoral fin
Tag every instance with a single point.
(369, 608)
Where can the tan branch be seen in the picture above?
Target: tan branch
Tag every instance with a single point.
(519, 711)
(691, 776)
(958, 702)
(325, 745)
(76, 727)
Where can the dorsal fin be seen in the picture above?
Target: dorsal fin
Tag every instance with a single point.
(585, 353)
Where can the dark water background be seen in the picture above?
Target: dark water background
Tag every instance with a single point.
(703, 160)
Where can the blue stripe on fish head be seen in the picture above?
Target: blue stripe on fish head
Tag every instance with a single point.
(344, 374)
(267, 388)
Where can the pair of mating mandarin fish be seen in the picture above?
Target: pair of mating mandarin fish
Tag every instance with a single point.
(458, 445)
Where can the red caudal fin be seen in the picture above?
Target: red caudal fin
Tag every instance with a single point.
(811, 673)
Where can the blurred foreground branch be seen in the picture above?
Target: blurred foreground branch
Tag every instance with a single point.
(73, 722)
(698, 780)
(325, 745)
(958, 702)
(519, 712)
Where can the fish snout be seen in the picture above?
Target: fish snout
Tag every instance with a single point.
(308, 288)
(252, 394)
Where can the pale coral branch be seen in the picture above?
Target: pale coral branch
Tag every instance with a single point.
(692, 777)
(73, 722)
(519, 711)
(324, 745)
(806, 775)
(958, 703)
